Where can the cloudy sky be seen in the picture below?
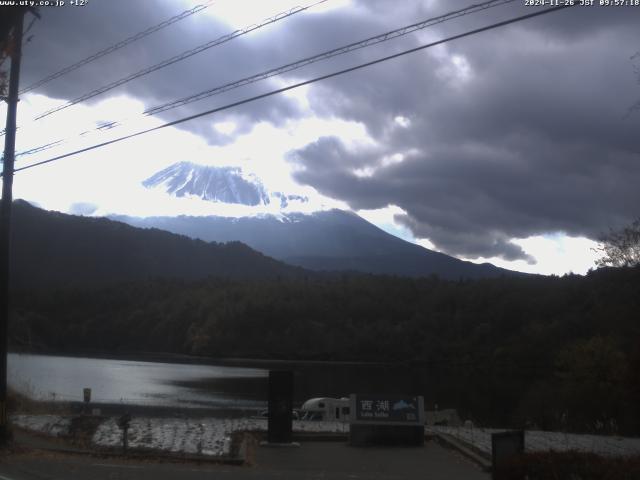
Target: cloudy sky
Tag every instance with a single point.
(518, 146)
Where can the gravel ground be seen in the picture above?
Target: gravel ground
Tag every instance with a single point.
(212, 436)
(53, 425)
(204, 436)
(545, 441)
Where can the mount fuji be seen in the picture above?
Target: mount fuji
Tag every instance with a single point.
(216, 184)
(329, 240)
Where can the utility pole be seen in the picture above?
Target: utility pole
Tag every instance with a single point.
(5, 216)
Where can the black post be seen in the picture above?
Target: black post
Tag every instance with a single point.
(125, 439)
(5, 216)
(124, 423)
(504, 447)
(280, 421)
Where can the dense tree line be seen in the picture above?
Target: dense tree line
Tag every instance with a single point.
(55, 249)
(557, 352)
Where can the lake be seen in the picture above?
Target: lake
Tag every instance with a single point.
(60, 378)
(46, 377)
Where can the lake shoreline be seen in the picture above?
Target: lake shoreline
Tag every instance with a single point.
(223, 387)
(160, 357)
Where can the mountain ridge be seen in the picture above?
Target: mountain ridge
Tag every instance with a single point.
(331, 240)
(57, 249)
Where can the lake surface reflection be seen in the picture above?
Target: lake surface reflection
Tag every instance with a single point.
(46, 377)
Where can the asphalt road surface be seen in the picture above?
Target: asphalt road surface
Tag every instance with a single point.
(313, 460)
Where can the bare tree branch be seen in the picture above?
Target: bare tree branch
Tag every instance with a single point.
(621, 248)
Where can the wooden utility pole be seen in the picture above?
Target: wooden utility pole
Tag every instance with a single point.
(5, 215)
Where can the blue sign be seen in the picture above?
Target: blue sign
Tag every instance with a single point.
(385, 408)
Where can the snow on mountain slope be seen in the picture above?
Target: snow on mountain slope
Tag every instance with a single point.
(217, 184)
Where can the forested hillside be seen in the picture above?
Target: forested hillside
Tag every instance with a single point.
(51, 248)
(333, 240)
(559, 352)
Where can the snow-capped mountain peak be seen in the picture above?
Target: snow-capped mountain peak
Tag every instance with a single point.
(214, 184)
(222, 185)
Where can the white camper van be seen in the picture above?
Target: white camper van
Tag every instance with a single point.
(326, 409)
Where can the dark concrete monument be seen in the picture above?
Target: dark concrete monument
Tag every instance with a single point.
(280, 407)
(504, 446)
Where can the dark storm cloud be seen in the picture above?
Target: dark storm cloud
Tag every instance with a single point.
(66, 35)
(535, 140)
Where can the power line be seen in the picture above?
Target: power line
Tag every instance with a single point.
(179, 57)
(297, 64)
(327, 55)
(118, 46)
(300, 84)
(39, 149)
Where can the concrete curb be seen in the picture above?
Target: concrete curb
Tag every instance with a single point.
(134, 454)
(452, 442)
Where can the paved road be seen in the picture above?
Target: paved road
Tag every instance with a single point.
(313, 460)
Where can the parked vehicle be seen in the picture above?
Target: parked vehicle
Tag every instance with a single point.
(326, 409)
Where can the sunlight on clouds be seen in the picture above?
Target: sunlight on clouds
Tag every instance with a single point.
(299, 94)
(384, 218)
(76, 126)
(556, 254)
(111, 177)
(455, 68)
(113, 108)
(364, 172)
(238, 14)
(392, 159)
(430, 35)
(263, 150)
(404, 122)
(331, 5)
(242, 13)
(226, 128)
(426, 243)
(386, 161)
(463, 69)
